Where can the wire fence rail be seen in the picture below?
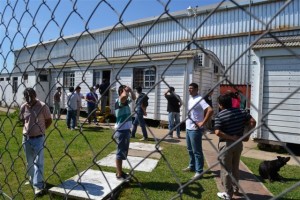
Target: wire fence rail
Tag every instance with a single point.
(69, 61)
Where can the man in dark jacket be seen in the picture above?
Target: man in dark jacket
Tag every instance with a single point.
(140, 110)
(174, 104)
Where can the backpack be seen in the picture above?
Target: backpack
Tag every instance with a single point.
(144, 98)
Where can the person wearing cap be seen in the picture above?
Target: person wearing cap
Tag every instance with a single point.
(36, 117)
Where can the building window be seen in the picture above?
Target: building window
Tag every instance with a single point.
(144, 77)
(15, 85)
(7, 79)
(43, 77)
(69, 79)
(1, 79)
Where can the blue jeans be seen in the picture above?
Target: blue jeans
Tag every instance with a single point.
(34, 152)
(56, 110)
(92, 113)
(194, 147)
(71, 115)
(174, 120)
(139, 120)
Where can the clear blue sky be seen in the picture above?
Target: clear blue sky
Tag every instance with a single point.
(18, 32)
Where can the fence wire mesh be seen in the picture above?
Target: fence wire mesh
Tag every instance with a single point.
(84, 59)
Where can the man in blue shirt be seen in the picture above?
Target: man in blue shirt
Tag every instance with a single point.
(92, 99)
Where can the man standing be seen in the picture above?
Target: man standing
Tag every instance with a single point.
(92, 99)
(194, 129)
(71, 108)
(56, 103)
(140, 113)
(229, 127)
(36, 118)
(122, 126)
(173, 107)
(79, 103)
(104, 92)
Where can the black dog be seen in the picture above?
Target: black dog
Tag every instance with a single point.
(269, 169)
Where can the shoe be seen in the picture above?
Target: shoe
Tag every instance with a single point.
(188, 169)
(144, 139)
(38, 192)
(72, 129)
(124, 177)
(97, 123)
(223, 195)
(236, 192)
(169, 137)
(178, 137)
(196, 176)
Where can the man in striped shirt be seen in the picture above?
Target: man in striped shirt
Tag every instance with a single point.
(229, 127)
(122, 126)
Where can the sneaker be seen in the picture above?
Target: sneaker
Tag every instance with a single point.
(38, 192)
(169, 137)
(188, 169)
(223, 195)
(179, 137)
(124, 177)
(196, 176)
(144, 139)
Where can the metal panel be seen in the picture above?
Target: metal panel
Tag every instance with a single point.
(282, 78)
(166, 36)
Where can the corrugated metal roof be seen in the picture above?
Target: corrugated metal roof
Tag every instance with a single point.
(288, 41)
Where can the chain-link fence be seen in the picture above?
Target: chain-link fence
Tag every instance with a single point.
(249, 46)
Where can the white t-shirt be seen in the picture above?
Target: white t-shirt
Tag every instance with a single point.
(195, 112)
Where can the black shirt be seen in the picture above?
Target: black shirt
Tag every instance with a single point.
(173, 102)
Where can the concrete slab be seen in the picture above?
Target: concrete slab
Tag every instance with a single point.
(139, 153)
(143, 146)
(146, 166)
(91, 185)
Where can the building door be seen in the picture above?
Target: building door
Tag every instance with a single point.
(281, 79)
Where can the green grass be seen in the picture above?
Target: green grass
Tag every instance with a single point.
(69, 152)
(291, 176)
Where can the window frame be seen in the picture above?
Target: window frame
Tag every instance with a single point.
(144, 76)
(69, 79)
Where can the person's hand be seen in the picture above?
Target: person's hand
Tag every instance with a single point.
(128, 89)
(200, 124)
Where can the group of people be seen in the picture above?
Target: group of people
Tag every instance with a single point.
(229, 126)
(74, 103)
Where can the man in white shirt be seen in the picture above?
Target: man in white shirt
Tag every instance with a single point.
(199, 113)
(71, 108)
(79, 103)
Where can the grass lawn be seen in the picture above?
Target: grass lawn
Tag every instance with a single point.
(69, 152)
(291, 176)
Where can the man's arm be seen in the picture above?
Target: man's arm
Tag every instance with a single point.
(250, 125)
(208, 113)
(48, 122)
(221, 134)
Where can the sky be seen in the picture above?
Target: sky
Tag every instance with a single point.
(28, 22)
